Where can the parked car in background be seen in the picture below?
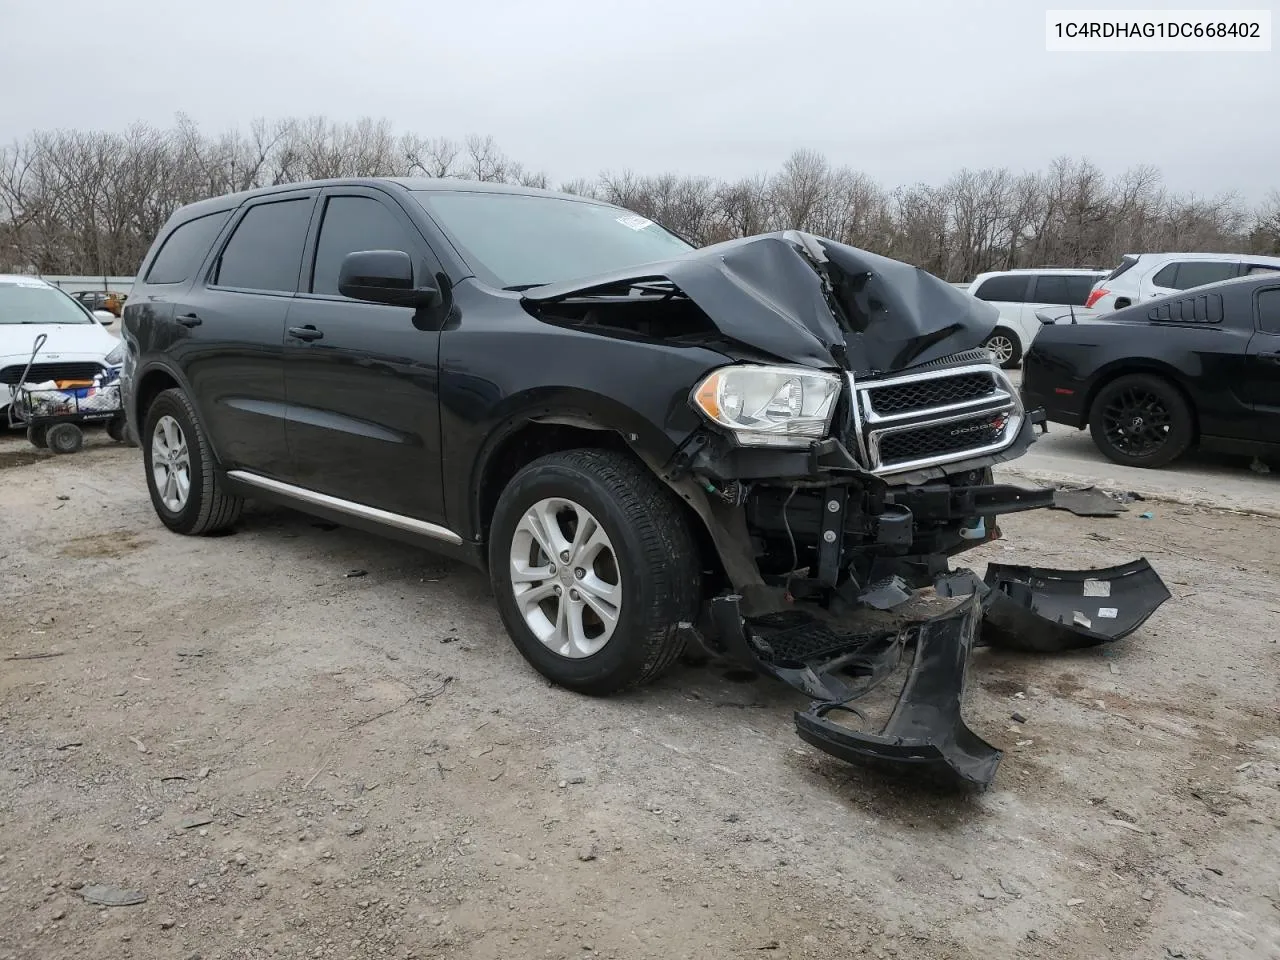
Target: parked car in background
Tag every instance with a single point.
(77, 348)
(108, 300)
(1018, 294)
(1146, 276)
(1151, 381)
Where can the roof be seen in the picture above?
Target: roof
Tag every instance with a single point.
(229, 201)
(1256, 257)
(24, 278)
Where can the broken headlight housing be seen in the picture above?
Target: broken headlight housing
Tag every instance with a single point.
(769, 406)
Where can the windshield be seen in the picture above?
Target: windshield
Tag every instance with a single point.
(523, 240)
(28, 301)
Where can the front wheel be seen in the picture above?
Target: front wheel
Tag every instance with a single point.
(1005, 347)
(186, 491)
(1141, 420)
(593, 568)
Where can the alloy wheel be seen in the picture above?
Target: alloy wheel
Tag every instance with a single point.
(1136, 422)
(565, 577)
(170, 464)
(1001, 348)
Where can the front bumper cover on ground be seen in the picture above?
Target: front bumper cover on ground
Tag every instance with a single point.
(1021, 608)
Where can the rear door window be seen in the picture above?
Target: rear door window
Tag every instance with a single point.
(1079, 286)
(1184, 274)
(1252, 269)
(1062, 289)
(1010, 288)
(351, 224)
(1269, 311)
(1196, 273)
(184, 249)
(265, 251)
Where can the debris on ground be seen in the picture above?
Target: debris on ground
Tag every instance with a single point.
(1087, 502)
(108, 896)
(1259, 467)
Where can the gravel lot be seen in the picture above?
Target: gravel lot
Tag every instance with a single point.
(290, 761)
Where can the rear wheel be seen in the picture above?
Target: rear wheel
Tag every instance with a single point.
(186, 491)
(1005, 347)
(64, 438)
(593, 569)
(1141, 420)
(116, 428)
(38, 437)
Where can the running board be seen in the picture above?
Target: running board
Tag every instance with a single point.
(349, 507)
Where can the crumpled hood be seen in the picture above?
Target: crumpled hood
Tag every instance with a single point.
(811, 300)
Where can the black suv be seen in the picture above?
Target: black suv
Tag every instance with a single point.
(644, 444)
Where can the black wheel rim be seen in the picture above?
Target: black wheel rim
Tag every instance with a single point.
(1136, 422)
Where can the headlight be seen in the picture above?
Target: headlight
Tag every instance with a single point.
(769, 406)
(117, 355)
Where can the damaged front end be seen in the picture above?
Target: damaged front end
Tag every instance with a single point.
(842, 462)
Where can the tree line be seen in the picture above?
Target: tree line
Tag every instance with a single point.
(89, 202)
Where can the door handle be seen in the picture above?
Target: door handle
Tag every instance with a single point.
(190, 320)
(307, 333)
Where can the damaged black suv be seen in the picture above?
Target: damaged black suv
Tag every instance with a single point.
(647, 445)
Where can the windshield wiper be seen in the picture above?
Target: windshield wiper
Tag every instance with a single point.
(517, 287)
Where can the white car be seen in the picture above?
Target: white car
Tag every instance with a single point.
(1145, 276)
(77, 345)
(1018, 294)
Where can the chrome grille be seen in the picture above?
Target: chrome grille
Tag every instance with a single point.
(917, 443)
(937, 392)
(935, 416)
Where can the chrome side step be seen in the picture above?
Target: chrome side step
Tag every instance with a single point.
(385, 517)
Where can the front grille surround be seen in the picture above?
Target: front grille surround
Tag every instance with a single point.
(910, 422)
(42, 372)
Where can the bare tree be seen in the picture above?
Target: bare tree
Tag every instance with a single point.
(92, 201)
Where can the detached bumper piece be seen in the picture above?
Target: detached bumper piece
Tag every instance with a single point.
(1015, 608)
(1038, 610)
(925, 730)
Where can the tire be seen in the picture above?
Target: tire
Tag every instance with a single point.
(206, 507)
(116, 429)
(38, 437)
(655, 566)
(64, 438)
(1006, 347)
(1140, 420)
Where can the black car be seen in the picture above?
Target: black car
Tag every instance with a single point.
(1200, 368)
(646, 445)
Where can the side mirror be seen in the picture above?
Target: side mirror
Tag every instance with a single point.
(105, 317)
(383, 276)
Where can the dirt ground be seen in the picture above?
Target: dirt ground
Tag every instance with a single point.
(291, 759)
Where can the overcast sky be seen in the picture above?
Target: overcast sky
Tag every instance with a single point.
(906, 90)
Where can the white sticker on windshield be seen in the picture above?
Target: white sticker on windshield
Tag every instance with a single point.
(1097, 588)
(1108, 613)
(635, 222)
